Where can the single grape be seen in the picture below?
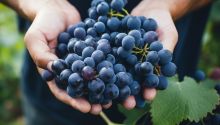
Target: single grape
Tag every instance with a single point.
(124, 93)
(117, 4)
(99, 27)
(113, 23)
(48, 75)
(87, 52)
(92, 32)
(95, 98)
(150, 37)
(135, 88)
(128, 42)
(169, 69)
(98, 56)
(89, 61)
(111, 91)
(163, 83)
(103, 19)
(104, 47)
(122, 53)
(110, 58)
(61, 50)
(123, 79)
(88, 73)
(93, 13)
(165, 56)
(96, 86)
(78, 47)
(73, 92)
(96, 2)
(71, 44)
(152, 57)
(137, 36)
(156, 46)
(131, 59)
(151, 81)
(58, 66)
(77, 66)
(64, 75)
(102, 8)
(105, 36)
(118, 38)
(150, 25)
(75, 80)
(105, 64)
(119, 68)
(145, 68)
(90, 42)
(133, 23)
(71, 58)
(89, 23)
(199, 75)
(63, 38)
(80, 33)
(106, 74)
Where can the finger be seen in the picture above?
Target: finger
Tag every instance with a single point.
(107, 105)
(149, 93)
(129, 103)
(166, 29)
(96, 109)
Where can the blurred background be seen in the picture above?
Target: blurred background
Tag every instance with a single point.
(12, 47)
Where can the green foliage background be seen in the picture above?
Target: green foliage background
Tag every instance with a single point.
(11, 49)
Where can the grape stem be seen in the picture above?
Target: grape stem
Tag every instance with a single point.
(125, 11)
(107, 120)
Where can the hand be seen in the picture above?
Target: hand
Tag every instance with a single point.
(168, 35)
(49, 20)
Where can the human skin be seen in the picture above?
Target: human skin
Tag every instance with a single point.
(50, 17)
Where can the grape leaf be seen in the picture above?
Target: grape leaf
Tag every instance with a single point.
(132, 116)
(181, 101)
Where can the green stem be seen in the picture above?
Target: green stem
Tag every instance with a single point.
(117, 15)
(107, 120)
(125, 11)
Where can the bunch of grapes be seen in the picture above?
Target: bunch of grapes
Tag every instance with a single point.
(111, 55)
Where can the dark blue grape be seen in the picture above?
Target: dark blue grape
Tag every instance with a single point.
(118, 38)
(163, 83)
(71, 44)
(135, 88)
(103, 19)
(96, 2)
(80, 33)
(78, 47)
(117, 4)
(98, 56)
(123, 79)
(90, 42)
(93, 13)
(61, 50)
(58, 66)
(113, 23)
(77, 66)
(119, 68)
(105, 47)
(152, 57)
(71, 58)
(105, 36)
(88, 73)
(99, 27)
(105, 64)
(63, 38)
(165, 56)
(92, 32)
(131, 59)
(199, 75)
(169, 69)
(64, 75)
(122, 53)
(150, 25)
(133, 23)
(111, 91)
(128, 42)
(71, 29)
(137, 36)
(47, 75)
(106, 74)
(73, 92)
(87, 52)
(124, 22)
(151, 81)
(96, 86)
(140, 101)
(89, 61)
(89, 22)
(75, 80)
(156, 46)
(124, 93)
(150, 37)
(110, 58)
(145, 68)
(95, 98)
(102, 8)
(112, 36)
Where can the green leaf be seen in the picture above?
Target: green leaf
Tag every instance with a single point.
(181, 101)
(132, 116)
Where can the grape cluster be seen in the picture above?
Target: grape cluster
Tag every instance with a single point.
(111, 55)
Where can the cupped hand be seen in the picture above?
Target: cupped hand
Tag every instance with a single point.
(160, 11)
